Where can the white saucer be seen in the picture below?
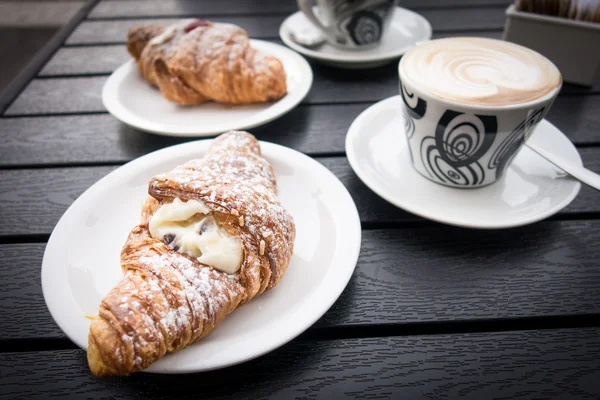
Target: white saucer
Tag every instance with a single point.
(531, 189)
(132, 100)
(81, 261)
(405, 31)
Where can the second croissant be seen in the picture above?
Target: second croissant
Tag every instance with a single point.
(194, 61)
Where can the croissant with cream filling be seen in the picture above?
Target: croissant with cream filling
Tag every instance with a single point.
(213, 236)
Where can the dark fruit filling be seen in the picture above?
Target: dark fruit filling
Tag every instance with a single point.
(196, 24)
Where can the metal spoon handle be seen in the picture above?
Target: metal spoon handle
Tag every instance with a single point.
(576, 171)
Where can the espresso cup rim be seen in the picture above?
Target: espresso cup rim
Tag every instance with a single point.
(504, 107)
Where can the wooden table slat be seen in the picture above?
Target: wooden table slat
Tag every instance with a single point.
(83, 94)
(330, 86)
(76, 60)
(403, 276)
(182, 8)
(185, 8)
(24, 314)
(309, 129)
(102, 138)
(38, 197)
(34, 199)
(56, 96)
(267, 26)
(533, 364)
(98, 32)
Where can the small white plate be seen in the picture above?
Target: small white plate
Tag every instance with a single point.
(405, 31)
(531, 189)
(132, 100)
(81, 261)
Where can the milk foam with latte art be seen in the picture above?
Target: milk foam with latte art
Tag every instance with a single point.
(480, 71)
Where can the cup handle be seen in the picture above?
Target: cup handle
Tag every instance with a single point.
(307, 8)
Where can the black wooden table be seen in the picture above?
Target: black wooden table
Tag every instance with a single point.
(431, 311)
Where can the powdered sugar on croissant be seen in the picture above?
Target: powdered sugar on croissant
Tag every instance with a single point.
(194, 61)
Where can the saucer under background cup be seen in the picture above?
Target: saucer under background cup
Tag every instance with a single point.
(406, 29)
(530, 190)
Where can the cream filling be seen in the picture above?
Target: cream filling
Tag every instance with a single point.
(163, 37)
(188, 228)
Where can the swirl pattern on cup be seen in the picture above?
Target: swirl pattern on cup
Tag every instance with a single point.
(480, 71)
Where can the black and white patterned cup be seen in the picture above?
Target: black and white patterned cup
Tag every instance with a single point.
(350, 24)
(464, 145)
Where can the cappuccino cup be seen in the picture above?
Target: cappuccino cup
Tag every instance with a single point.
(349, 24)
(469, 104)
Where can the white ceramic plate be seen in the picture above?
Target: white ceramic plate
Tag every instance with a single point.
(132, 100)
(81, 261)
(531, 189)
(405, 31)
